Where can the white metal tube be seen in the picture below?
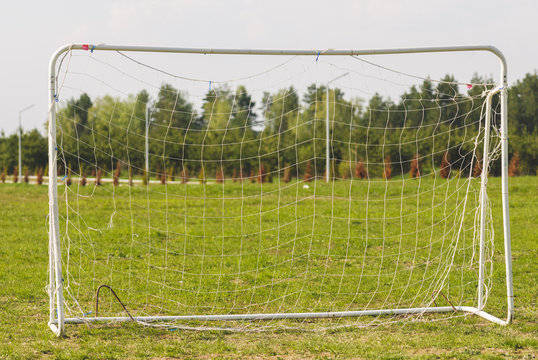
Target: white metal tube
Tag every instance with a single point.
(483, 202)
(56, 315)
(504, 189)
(279, 316)
(163, 49)
(275, 316)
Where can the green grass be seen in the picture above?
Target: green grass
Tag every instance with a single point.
(326, 280)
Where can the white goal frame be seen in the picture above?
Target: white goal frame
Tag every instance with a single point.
(57, 319)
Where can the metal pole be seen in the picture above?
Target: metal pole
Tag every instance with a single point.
(328, 52)
(56, 299)
(483, 200)
(20, 150)
(504, 190)
(20, 136)
(147, 142)
(327, 128)
(311, 315)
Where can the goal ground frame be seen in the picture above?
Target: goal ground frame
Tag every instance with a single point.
(57, 319)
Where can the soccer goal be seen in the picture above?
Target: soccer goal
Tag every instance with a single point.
(277, 189)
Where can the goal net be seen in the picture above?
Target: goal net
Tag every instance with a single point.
(206, 190)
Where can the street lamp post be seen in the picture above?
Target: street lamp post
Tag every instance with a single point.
(146, 144)
(146, 141)
(327, 127)
(20, 135)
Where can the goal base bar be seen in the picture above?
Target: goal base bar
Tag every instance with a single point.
(307, 315)
(55, 329)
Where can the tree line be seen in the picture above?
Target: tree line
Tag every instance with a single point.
(429, 129)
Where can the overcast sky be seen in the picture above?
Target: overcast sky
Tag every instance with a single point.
(32, 30)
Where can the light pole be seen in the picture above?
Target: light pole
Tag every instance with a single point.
(20, 135)
(327, 127)
(146, 144)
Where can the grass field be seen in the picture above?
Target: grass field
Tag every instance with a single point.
(205, 235)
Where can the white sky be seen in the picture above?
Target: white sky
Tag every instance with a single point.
(30, 31)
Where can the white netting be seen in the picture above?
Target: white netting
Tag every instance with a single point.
(234, 215)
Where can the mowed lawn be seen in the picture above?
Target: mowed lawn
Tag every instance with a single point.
(325, 280)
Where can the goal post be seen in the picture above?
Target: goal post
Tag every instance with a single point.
(282, 213)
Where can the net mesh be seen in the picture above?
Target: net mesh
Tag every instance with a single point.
(233, 214)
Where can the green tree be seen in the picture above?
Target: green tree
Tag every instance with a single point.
(281, 114)
(172, 118)
(522, 122)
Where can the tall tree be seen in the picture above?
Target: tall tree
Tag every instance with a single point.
(522, 122)
(172, 117)
(281, 114)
